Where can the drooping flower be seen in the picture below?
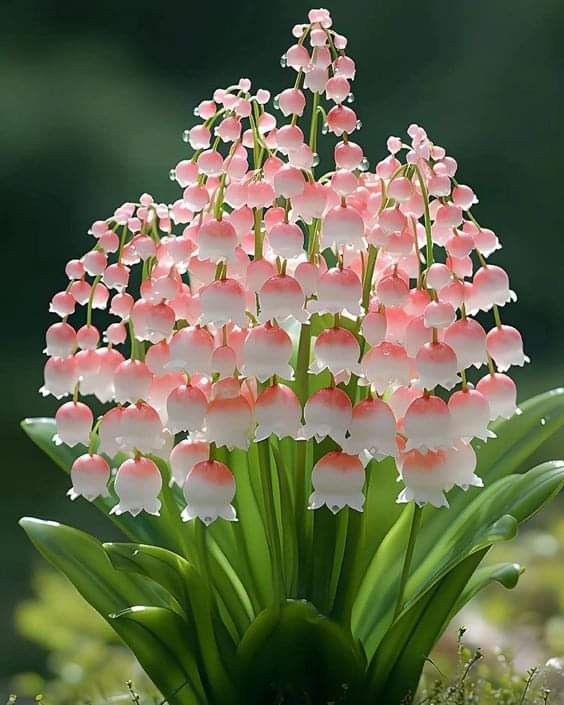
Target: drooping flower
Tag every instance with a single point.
(208, 490)
(138, 484)
(90, 474)
(337, 480)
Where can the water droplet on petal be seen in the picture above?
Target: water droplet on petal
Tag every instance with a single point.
(172, 175)
(543, 422)
(315, 159)
(350, 98)
(358, 124)
(196, 112)
(324, 128)
(276, 102)
(283, 61)
(364, 164)
(186, 135)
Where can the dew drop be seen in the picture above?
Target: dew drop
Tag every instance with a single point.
(283, 61)
(350, 98)
(196, 112)
(315, 159)
(358, 124)
(324, 128)
(543, 422)
(364, 164)
(276, 102)
(186, 135)
(172, 175)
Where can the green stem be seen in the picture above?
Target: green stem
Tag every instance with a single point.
(427, 219)
(415, 523)
(270, 520)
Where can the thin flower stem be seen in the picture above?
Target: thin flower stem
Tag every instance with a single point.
(427, 219)
(415, 523)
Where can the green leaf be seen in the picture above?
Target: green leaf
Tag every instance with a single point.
(396, 667)
(292, 649)
(506, 574)
(160, 639)
(143, 528)
(185, 583)
(492, 516)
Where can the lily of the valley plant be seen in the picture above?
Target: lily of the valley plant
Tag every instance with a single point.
(285, 390)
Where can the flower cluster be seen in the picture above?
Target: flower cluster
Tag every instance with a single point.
(269, 302)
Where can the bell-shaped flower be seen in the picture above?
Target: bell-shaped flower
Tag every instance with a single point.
(229, 422)
(339, 290)
(386, 364)
(462, 463)
(505, 346)
(286, 240)
(277, 411)
(501, 393)
(337, 479)
(468, 340)
(374, 327)
(267, 352)
(427, 424)
(372, 429)
(90, 474)
(186, 408)
(209, 490)
(328, 412)
(436, 364)
(184, 456)
(337, 350)
(74, 423)
(281, 297)
(426, 476)
(132, 381)
(60, 340)
(138, 484)
(140, 429)
(343, 227)
(470, 415)
(59, 376)
(190, 350)
(490, 286)
(223, 301)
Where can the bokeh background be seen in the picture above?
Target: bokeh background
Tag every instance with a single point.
(94, 98)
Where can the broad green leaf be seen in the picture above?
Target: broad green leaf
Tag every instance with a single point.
(185, 583)
(83, 560)
(143, 528)
(292, 649)
(160, 639)
(492, 516)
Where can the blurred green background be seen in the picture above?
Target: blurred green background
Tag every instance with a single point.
(96, 95)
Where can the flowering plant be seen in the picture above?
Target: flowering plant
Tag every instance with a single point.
(281, 348)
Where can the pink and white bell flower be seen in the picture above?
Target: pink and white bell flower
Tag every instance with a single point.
(374, 327)
(90, 474)
(470, 415)
(184, 456)
(427, 424)
(74, 423)
(426, 476)
(437, 365)
(132, 381)
(343, 227)
(462, 463)
(281, 297)
(501, 393)
(186, 408)
(386, 364)
(468, 340)
(490, 287)
(505, 347)
(223, 301)
(209, 490)
(60, 376)
(267, 352)
(138, 484)
(229, 422)
(277, 411)
(328, 412)
(60, 340)
(286, 240)
(140, 429)
(339, 291)
(336, 349)
(190, 350)
(372, 429)
(337, 479)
